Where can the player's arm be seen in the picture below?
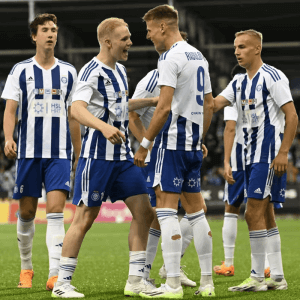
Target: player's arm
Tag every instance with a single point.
(84, 117)
(136, 126)
(134, 104)
(291, 122)
(220, 102)
(75, 136)
(158, 120)
(208, 109)
(229, 134)
(10, 148)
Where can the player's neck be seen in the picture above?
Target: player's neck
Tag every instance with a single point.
(107, 59)
(45, 59)
(253, 68)
(172, 39)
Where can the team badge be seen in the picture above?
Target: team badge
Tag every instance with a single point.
(259, 87)
(95, 196)
(64, 79)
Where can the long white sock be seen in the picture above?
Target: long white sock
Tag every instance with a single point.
(54, 239)
(274, 253)
(151, 250)
(229, 233)
(203, 244)
(258, 243)
(67, 266)
(186, 233)
(137, 261)
(25, 233)
(267, 265)
(172, 244)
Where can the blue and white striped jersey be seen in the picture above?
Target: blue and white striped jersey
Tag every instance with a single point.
(147, 88)
(44, 97)
(184, 68)
(106, 92)
(236, 158)
(258, 102)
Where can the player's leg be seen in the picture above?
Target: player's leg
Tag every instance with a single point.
(277, 280)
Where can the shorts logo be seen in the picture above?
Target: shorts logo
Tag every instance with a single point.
(282, 192)
(95, 196)
(258, 191)
(67, 183)
(177, 181)
(192, 182)
(64, 79)
(148, 179)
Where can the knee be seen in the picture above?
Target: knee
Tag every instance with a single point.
(27, 214)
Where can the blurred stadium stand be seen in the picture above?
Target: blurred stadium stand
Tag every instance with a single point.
(210, 24)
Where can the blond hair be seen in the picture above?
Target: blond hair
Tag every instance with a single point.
(162, 12)
(251, 32)
(107, 26)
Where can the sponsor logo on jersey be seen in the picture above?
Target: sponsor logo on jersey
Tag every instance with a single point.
(108, 82)
(47, 91)
(30, 79)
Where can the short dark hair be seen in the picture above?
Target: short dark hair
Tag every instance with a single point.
(161, 12)
(40, 19)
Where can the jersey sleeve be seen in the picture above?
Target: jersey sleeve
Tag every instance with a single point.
(207, 83)
(74, 74)
(84, 88)
(280, 91)
(168, 70)
(11, 89)
(228, 92)
(230, 113)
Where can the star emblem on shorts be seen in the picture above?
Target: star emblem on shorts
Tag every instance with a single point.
(192, 182)
(176, 181)
(282, 192)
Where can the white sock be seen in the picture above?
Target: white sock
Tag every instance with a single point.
(203, 244)
(274, 253)
(54, 240)
(137, 261)
(186, 233)
(67, 266)
(229, 233)
(258, 243)
(152, 244)
(25, 233)
(267, 265)
(172, 243)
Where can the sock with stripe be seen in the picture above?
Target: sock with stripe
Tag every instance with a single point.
(274, 253)
(137, 261)
(258, 244)
(67, 266)
(172, 244)
(151, 250)
(54, 239)
(186, 233)
(25, 233)
(229, 233)
(203, 244)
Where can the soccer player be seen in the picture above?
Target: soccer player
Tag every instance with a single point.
(42, 88)
(139, 121)
(105, 167)
(269, 122)
(179, 123)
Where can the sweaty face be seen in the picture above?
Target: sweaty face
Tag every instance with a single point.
(246, 50)
(121, 42)
(155, 35)
(46, 35)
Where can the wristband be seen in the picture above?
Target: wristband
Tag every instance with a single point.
(145, 143)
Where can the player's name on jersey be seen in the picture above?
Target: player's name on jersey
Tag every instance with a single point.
(47, 91)
(249, 101)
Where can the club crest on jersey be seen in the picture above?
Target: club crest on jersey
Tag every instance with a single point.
(259, 87)
(64, 79)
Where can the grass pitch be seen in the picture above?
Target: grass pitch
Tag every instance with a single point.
(103, 263)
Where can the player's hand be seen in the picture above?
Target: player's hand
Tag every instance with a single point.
(10, 149)
(280, 163)
(113, 134)
(140, 156)
(204, 150)
(228, 173)
(155, 100)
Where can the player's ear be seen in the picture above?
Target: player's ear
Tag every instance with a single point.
(258, 49)
(163, 26)
(107, 42)
(33, 37)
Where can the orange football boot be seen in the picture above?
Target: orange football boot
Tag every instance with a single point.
(26, 279)
(267, 272)
(50, 283)
(223, 270)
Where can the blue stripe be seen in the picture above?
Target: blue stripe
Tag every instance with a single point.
(90, 71)
(150, 81)
(195, 217)
(22, 62)
(165, 130)
(117, 147)
(253, 143)
(94, 143)
(86, 135)
(181, 135)
(55, 74)
(122, 77)
(243, 90)
(239, 158)
(151, 91)
(269, 73)
(253, 88)
(196, 136)
(69, 88)
(245, 142)
(92, 63)
(128, 156)
(272, 71)
(23, 122)
(234, 89)
(39, 121)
